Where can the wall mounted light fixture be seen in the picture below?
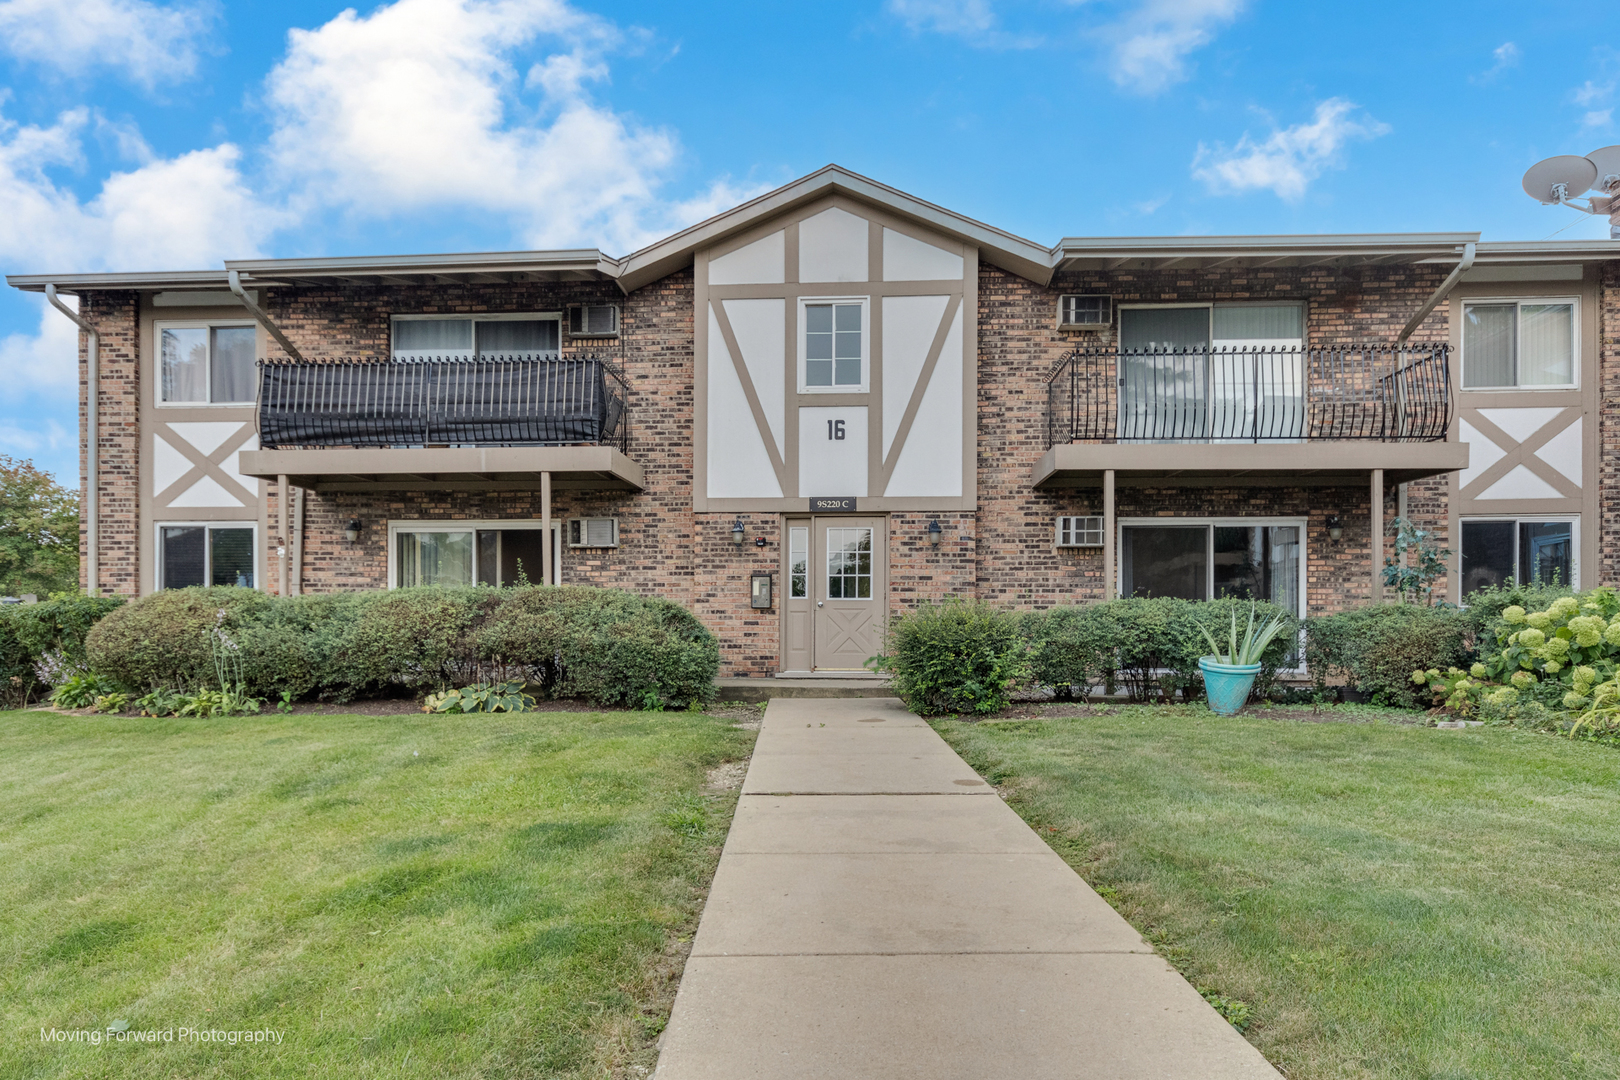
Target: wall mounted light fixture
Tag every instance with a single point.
(738, 532)
(351, 531)
(934, 532)
(1335, 530)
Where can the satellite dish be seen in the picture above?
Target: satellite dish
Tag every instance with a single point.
(1607, 161)
(1559, 178)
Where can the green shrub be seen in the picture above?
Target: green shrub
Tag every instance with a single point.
(163, 640)
(955, 657)
(1375, 649)
(1148, 645)
(45, 639)
(605, 645)
(81, 691)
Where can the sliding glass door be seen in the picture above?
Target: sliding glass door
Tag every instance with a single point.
(1208, 559)
(1212, 372)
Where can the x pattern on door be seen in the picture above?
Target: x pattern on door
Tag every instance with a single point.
(845, 629)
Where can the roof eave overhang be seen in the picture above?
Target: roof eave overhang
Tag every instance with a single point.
(1215, 252)
(999, 248)
(74, 284)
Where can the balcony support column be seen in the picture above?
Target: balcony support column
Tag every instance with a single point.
(1377, 545)
(286, 533)
(546, 556)
(1109, 592)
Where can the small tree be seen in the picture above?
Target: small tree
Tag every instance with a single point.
(39, 531)
(1412, 580)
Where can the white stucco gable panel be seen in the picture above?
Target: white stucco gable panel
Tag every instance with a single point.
(760, 327)
(1520, 483)
(761, 263)
(909, 326)
(833, 247)
(738, 466)
(1482, 453)
(832, 452)
(168, 465)
(930, 461)
(1563, 452)
(206, 435)
(204, 493)
(907, 259)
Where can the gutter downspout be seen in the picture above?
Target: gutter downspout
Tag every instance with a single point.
(92, 459)
(1439, 294)
(264, 320)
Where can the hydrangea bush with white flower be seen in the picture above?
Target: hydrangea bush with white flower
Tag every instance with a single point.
(1564, 659)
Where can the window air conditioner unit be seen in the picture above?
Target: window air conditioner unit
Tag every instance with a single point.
(593, 532)
(1076, 312)
(593, 321)
(1079, 532)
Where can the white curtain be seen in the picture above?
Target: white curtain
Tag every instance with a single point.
(1547, 338)
(185, 363)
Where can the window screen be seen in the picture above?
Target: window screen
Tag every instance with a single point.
(205, 555)
(433, 558)
(1518, 344)
(1157, 561)
(185, 556)
(1259, 322)
(184, 352)
(231, 371)
(1164, 328)
(433, 337)
(1517, 552)
(518, 336)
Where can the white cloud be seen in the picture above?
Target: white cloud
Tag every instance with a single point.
(1153, 42)
(43, 360)
(151, 43)
(417, 106)
(188, 211)
(1506, 55)
(961, 17)
(1596, 92)
(1288, 160)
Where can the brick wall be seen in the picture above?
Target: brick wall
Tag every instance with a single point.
(1608, 425)
(1019, 347)
(115, 315)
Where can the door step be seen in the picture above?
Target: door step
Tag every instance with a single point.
(756, 690)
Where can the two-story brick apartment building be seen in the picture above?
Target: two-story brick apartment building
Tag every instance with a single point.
(837, 399)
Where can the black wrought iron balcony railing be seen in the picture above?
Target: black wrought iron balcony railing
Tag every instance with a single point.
(528, 399)
(1387, 393)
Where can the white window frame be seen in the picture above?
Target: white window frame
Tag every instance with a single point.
(475, 318)
(1209, 545)
(866, 344)
(208, 555)
(159, 326)
(1519, 301)
(1518, 519)
(558, 539)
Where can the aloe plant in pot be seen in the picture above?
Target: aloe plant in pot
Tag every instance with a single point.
(1229, 676)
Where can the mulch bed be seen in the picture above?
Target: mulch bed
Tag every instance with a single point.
(1304, 714)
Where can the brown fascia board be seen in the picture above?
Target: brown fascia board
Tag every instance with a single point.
(997, 247)
(1394, 247)
(74, 284)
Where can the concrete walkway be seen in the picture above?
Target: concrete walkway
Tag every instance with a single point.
(880, 912)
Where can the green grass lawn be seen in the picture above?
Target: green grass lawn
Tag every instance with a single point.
(1392, 901)
(397, 896)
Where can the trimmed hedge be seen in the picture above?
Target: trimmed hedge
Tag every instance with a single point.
(955, 657)
(605, 645)
(1376, 648)
(1148, 645)
(30, 632)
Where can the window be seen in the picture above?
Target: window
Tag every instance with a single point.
(1217, 372)
(431, 337)
(834, 346)
(474, 553)
(1509, 551)
(1518, 344)
(1079, 532)
(1205, 560)
(849, 564)
(205, 555)
(207, 363)
(798, 562)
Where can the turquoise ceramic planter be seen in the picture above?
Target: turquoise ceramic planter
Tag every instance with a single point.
(1227, 685)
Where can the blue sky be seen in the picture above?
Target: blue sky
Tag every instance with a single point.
(141, 135)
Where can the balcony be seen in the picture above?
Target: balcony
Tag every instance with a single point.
(497, 422)
(1255, 415)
